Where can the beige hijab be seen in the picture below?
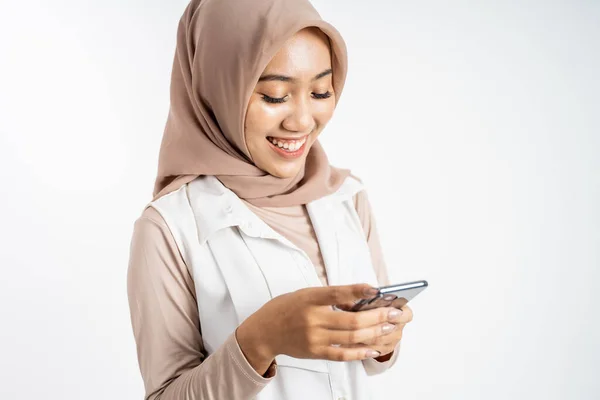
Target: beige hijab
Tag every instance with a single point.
(223, 46)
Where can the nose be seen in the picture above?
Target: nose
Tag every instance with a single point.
(301, 117)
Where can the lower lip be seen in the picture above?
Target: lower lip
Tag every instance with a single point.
(289, 154)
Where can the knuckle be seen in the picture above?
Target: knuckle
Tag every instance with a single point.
(334, 355)
(384, 314)
(312, 295)
(304, 318)
(310, 340)
(359, 290)
(301, 296)
(354, 322)
(379, 341)
(344, 356)
(352, 337)
(367, 341)
(336, 295)
(308, 331)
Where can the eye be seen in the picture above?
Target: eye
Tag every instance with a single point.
(275, 100)
(325, 95)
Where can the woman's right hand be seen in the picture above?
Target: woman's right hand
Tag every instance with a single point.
(303, 324)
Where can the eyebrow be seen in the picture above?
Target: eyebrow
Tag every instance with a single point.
(284, 78)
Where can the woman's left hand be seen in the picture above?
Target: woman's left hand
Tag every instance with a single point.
(387, 343)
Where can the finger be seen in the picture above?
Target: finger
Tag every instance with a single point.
(345, 320)
(339, 294)
(407, 315)
(382, 349)
(360, 335)
(345, 306)
(378, 302)
(391, 338)
(347, 354)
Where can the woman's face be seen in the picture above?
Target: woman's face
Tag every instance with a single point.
(291, 104)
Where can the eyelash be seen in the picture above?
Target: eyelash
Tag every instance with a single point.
(277, 100)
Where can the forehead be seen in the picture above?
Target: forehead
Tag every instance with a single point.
(302, 55)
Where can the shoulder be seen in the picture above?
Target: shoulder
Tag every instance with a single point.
(154, 253)
(150, 222)
(151, 233)
(151, 216)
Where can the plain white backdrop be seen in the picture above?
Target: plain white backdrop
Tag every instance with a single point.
(474, 125)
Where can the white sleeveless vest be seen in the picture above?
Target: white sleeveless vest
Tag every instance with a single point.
(239, 263)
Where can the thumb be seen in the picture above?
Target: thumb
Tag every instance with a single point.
(342, 294)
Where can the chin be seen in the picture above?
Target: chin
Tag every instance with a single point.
(284, 173)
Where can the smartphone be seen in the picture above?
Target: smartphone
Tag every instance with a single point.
(391, 296)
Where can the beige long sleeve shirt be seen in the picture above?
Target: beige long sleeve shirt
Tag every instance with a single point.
(164, 314)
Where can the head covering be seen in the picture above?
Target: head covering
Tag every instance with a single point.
(223, 46)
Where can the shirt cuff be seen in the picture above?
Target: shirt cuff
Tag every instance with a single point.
(374, 367)
(236, 354)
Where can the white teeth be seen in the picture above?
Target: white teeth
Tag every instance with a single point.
(290, 146)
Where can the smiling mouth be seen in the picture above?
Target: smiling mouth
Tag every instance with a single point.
(288, 149)
(286, 144)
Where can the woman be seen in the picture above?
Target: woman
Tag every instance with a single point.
(252, 237)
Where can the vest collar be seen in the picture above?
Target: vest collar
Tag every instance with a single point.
(216, 207)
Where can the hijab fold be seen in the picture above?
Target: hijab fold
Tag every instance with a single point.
(223, 46)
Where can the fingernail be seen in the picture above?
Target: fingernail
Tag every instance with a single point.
(387, 328)
(373, 353)
(394, 314)
(371, 291)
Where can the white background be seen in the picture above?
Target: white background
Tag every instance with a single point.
(474, 125)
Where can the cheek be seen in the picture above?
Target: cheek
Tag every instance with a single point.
(323, 111)
(260, 120)
(254, 127)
